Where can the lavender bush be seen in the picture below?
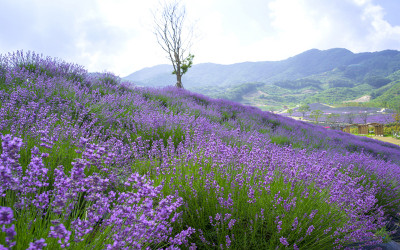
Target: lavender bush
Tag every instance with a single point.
(359, 119)
(371, 118)
(89, 162)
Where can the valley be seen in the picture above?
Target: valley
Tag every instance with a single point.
(335, 77)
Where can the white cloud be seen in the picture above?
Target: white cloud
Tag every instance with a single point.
(117, 35)
(358, 25)
(382, 34)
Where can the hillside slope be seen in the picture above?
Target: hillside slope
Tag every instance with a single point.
(89, 162)
(330, 76)
(308, 63)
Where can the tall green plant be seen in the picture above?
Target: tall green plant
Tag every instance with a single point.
(316, 114)
(303, 109)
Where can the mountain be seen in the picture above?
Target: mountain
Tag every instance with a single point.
(390, 95)
(308, 63)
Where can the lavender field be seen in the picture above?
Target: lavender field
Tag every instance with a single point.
(343, 117)
(372, 118)
(92, 163)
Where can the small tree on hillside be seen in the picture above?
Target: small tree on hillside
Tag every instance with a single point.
(364, 116)
(316, 114)
(332, 118)
(396, 117)
(290, 112)
(174, 38)
(350, 118)
(303, 109)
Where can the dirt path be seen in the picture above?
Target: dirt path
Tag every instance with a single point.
(387, 139)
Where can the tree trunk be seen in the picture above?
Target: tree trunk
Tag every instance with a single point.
(178, 71)
(179, 80)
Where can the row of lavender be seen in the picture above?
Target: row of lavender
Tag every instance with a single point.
(357, 119)
(344, 118)
(90, 163)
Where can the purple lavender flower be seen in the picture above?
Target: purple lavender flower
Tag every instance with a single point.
(279, 226)
(11, 145)
(6, 179)
(311, 216)
(10, 169)
(6, 215)
(228, 241)
(36, 175)
(82, 142)
(37, 245)
(231, 223)
(61, 233)
(227, 216)
(116, 245)
(295, 223)
(181, 238)
(35, 151)
(250, 194)
(327, 230)
(82, 228)
(310, 229)
(284, 241)
(10, 232)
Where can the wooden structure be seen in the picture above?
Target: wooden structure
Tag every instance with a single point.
(363, 129)
(378, 128)
(346, 128)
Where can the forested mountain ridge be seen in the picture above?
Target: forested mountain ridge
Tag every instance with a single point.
(330, 76)
(311, 62)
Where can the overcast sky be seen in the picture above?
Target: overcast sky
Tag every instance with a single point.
(117, 36)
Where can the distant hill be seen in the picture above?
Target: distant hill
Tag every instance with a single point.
(388, 95)
(305, 64)
(330, 76)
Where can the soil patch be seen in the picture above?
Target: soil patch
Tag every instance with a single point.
(387, 139)
(365, 98)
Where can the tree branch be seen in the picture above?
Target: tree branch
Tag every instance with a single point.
(169, 29)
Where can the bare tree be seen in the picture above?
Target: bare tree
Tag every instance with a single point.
(174, 38)
(350, 118)
(396, 117)
(316, 114)
(333, 118)
(304, 109)
(364, 116)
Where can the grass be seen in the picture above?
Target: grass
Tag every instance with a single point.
(253, 220)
